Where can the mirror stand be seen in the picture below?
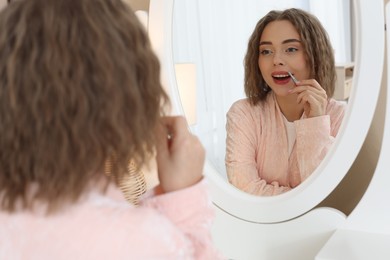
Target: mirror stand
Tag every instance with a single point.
(366, 233)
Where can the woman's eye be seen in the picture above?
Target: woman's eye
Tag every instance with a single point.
(265, 52)
(292, 49)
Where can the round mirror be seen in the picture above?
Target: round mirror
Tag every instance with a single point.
(213, 35)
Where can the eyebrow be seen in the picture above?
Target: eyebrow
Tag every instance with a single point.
(283, 42)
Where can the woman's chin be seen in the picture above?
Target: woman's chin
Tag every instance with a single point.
(282, 91)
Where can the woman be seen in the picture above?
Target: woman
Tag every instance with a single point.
(79, 87)
(279, 134)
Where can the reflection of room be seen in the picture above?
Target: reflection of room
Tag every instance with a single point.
(186, 84)
(214, 34)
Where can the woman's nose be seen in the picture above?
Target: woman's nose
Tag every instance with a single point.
(278, 59)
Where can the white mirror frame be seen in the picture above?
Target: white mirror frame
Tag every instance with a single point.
(363, 99)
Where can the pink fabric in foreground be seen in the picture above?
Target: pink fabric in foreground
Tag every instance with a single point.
(104, 226)
(257, 159)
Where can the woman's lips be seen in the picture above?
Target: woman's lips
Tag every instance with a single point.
(282, 81)
(281, 77)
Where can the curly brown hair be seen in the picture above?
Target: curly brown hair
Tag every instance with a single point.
(315, 41)
(79, 84)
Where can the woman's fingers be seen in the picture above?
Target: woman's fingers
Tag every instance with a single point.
(312, 96)
(180, 155)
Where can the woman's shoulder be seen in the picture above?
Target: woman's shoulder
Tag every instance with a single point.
(243, 103)
(97, 222)
(244, 106)
(239, 110)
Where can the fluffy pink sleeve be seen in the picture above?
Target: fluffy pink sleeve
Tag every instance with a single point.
(314, 138)
(191, 211)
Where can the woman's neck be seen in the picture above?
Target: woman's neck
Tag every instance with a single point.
(289, 107)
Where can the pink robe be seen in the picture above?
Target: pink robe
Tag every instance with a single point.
(104, 226)
(257, 158)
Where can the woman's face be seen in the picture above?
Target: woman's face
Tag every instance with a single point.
(281, 51)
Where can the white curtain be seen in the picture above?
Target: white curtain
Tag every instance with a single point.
(335, 16)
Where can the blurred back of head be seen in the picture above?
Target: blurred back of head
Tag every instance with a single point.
(79, 84)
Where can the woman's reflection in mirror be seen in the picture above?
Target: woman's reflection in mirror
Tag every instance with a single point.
(279, 134)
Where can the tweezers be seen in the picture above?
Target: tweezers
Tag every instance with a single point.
(293, 78)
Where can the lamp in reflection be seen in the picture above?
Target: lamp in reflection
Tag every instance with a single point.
(186, 83)
(143, 17)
